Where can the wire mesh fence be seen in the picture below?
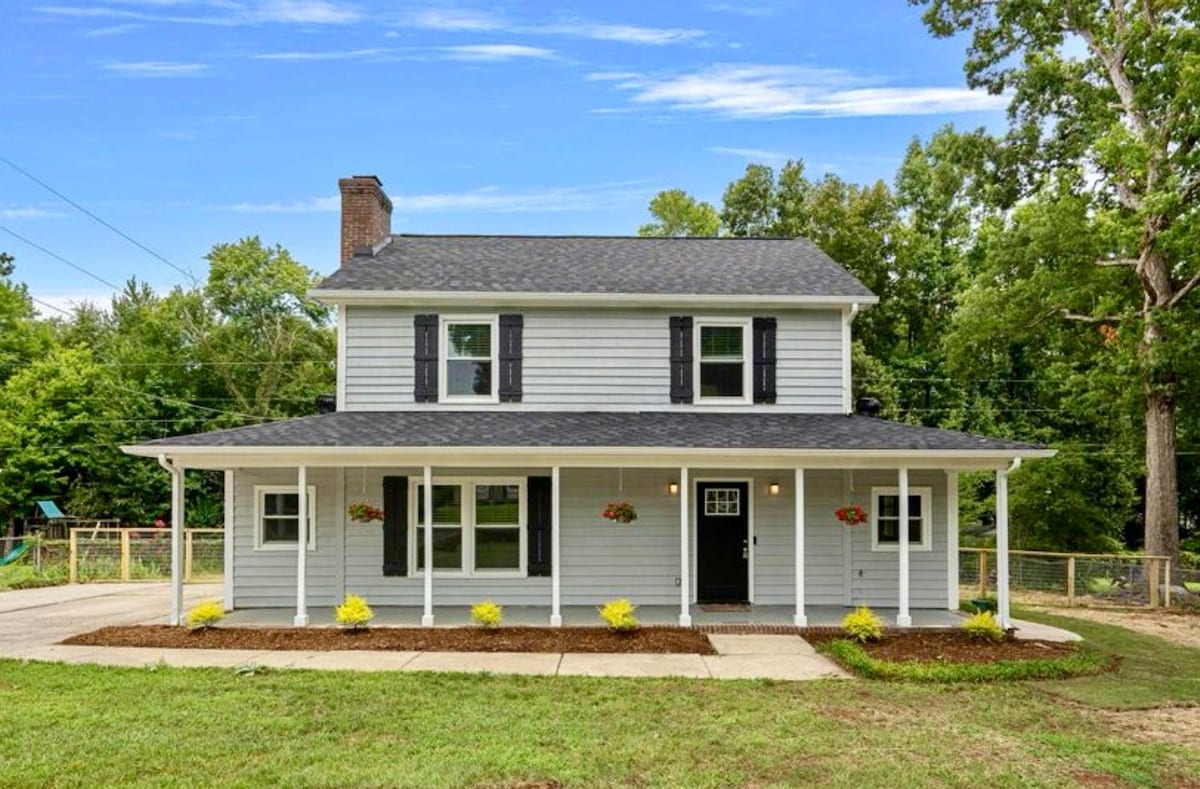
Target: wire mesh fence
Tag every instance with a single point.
(143, 554)
(1068, 578)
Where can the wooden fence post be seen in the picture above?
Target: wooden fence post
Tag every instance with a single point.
(72, 572)
(1153, 578)
(1070, 580)
(125, 555)
(187, 556)
(983, 571)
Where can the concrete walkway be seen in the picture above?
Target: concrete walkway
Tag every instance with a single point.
(32, 622)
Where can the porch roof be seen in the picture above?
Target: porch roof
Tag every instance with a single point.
(633, 432)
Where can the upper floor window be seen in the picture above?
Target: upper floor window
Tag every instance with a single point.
(469, 359)
(721, 358)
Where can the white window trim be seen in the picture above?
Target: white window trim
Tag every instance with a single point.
(416, 531)
(747, 327)
(926, 543)
(262, 490)
(444, 359)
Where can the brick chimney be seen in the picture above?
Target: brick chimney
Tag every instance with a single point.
(366, 213)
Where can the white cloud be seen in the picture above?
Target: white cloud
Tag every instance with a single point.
(350, 54)
(54, 304)
(114, 30)
(473, 21)
(496, 52)
(753, 154)
(155, 68)
(221, 13)
(488, 199)
(28, 212)
(772, 91)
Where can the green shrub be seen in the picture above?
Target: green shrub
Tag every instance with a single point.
(354, 612)
(205, 614)
(487, 613)
(984, 626)
(618, 615)
(852, 656)
(862, 625)
(1099, 585)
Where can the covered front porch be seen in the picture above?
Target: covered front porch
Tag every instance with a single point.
(766, 616)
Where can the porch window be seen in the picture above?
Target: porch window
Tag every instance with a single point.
(721, 358)
(478, 526)
(277, 517)
(469, 359)
(447, 527)
(885, 519)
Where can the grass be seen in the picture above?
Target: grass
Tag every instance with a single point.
(24, 576)
(854, 657)
(1152, 671)
(1192, 586)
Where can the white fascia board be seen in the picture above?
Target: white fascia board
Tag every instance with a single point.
(448, 298)
(645, 457)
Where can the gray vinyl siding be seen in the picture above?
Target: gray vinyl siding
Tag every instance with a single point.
(577, 358)
(599, 560)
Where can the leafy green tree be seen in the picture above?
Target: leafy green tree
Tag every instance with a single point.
(677, 213)
(1126, 109)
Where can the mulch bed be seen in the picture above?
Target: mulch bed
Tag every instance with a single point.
(955, 647)
(424, 639)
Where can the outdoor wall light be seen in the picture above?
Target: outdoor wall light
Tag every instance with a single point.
(773, 488)
(673, 488)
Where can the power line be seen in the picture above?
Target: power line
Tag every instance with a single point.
(48, 305)
(118, 231)
(60, 258)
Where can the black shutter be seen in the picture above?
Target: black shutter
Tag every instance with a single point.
(395, 525)
(538, 523)
(511, 331)
(764, 360)
(681, 359)
(425, 359)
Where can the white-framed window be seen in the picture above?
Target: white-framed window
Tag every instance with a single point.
(722, 359)
(277, 517)
(478, 526)
(722, 501)
(469, 354)
(885, 519)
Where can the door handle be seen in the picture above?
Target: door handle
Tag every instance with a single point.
(745, 549)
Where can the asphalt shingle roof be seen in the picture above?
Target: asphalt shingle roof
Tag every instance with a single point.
(575, 264)
(641, 429)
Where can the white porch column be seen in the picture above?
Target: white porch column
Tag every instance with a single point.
(952, 540)
(555, 543)
(799, 619)
(685, 564)
(228, 540)
(177, 615)
(427, 616)
(301, 618)
(903, 618)
(1002, 601)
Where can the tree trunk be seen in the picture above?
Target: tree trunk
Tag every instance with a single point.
(1162, 483)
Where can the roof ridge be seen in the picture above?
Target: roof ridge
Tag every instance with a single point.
(599, 237)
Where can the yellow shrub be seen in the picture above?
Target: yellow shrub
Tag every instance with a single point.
(618, 614)
(984, 625)
(354, 612)
(861, 624)
(205, 614)
(487, 613)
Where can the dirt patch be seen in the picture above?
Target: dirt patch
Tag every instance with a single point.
(1181, 626)
(423, 639)
(956, 647)
(1176, 725)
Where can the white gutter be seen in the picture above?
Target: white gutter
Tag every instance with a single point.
(535, 298)
(847, 383)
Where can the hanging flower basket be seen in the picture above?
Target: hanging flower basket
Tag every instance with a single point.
(851, 515)
(619, 512)
(364, 512)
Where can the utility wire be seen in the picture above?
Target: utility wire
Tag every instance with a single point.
(116, 230)
(60, 258)
(47, 305)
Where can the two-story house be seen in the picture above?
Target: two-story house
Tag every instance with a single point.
(495, 394)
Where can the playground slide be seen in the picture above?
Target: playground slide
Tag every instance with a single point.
(14, 554)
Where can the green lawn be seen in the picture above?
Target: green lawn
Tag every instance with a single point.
(73, 725)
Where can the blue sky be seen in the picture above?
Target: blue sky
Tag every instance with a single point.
(190, 122)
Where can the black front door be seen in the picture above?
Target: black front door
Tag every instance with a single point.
(722, 542)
